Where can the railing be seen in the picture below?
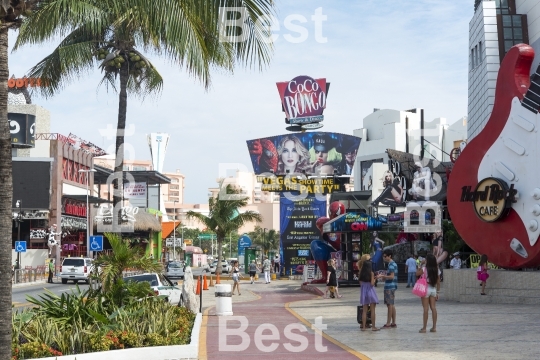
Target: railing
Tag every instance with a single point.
(28, 274)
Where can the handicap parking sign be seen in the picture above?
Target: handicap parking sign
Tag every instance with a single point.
(96, 243)
(20, 246)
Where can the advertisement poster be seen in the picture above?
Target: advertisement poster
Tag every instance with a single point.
(315, 153)
(424, 180)
(135, 190)
(366, 182)
(298, 230)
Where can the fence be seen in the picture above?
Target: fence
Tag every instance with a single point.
(28, 274)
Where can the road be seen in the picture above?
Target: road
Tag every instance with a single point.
(19, 294)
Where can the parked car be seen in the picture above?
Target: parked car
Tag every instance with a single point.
(76, 268)
(161, 286)
(226, 267)
(175, 270)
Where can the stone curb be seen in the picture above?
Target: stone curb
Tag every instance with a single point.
(312, 289)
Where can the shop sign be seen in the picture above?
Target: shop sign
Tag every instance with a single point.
(22, 128)
(72, 223)
(303, 99)
(135, 190)
(73, 207)
(302, 184)
(24, 82)
(491, 198)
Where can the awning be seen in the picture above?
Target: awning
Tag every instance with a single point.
(168, 227)
(352, 222)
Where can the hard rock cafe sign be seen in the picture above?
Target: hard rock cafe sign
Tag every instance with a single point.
(491, 198)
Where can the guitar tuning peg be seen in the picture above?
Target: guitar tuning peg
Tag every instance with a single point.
(536, 210)
(536, 194)
(533, 225)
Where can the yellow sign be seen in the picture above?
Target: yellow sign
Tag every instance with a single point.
(312, 185)
(474, 260)
(188, 242)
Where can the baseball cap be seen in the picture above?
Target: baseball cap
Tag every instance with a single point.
(322, 142)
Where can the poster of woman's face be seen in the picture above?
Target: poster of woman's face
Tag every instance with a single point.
(304, 153)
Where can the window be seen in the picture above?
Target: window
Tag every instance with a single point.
(174, 187)
(126, 167)
(472, 59)
(139, 168)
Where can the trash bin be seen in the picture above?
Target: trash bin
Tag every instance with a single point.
(223, 299)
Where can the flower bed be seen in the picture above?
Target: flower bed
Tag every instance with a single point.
(75, 324)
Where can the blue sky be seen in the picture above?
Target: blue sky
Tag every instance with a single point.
(393, 54)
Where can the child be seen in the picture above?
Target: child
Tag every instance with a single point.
(368, 296)
(482, 272)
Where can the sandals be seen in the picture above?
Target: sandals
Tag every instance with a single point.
(375, 329)
(422, 331)
(482, 293)
(340, 296)
(432, 330)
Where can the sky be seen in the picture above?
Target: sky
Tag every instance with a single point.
(386, 54)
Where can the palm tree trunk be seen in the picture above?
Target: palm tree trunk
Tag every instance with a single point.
(219, 252)
(6, 195)
(119, 163)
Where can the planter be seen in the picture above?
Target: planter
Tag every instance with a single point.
(190, 351)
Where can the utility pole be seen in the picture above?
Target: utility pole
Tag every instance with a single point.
(174, 229)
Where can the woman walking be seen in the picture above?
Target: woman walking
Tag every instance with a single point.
(368, 296)
(236, 277)
(482, 272)
(331, 280)
(430, 271)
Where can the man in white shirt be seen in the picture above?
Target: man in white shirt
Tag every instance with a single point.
(410, 267)
(456, 261)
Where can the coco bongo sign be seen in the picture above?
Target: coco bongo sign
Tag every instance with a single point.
(492, 198)
(303, 99)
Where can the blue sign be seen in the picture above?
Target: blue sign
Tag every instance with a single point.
(243, 243)
(96, 243)
(20, 246)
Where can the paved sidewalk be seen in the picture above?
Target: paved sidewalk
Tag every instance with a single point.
(267, 304)
(464, 331)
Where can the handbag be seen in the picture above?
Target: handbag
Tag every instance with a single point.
(420, 288)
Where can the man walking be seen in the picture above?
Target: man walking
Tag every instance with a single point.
(390, 287)
(51, 271)
(276, 264)
(410, 268)
(266, 268)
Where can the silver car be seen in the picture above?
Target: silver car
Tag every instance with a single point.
(161, 286)
(175, 270)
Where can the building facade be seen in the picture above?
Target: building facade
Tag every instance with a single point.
(495, 27)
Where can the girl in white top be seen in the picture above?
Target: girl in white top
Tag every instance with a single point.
(432, 273)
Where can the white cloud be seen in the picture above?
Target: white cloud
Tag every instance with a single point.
(396, 54)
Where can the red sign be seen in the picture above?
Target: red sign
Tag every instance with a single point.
(73, 207)
(303, 99)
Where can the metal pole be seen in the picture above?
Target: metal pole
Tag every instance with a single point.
(230, 249)
(87, 219)
(174, 229)
(200, 299)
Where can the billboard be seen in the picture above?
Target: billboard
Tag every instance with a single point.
(316, 153)
(22, 128)
(298, 230)
(32, 184)
(302, 184)
(303, 99)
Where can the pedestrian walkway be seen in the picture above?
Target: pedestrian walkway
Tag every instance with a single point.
(267, 306)
(464, 330)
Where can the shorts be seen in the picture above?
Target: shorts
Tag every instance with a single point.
(389, 296)
(252, 273)
(431, 291)
(235, 278)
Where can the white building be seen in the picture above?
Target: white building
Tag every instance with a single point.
(402, 131)
(496, 26)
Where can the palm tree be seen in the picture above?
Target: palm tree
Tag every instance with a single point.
(224, 217)
(272, 240)
(122, 257)
(11, 16)
(113, 33)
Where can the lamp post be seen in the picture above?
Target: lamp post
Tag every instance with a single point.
(18, 205)
(264, 239)
(87, 171)
(174, 229)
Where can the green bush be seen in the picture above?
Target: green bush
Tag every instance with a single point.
(93, 321)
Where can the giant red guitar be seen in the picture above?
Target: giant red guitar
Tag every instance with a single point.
(506, 149)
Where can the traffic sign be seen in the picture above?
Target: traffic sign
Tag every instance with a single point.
(169, 242)
(207, 236)
(96, 243)
(20, 246)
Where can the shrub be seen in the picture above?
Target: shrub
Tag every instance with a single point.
(35, 350)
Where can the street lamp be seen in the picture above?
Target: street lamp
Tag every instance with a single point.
(18, 205)
(87, 171)
(264, 239)
(174, 229)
